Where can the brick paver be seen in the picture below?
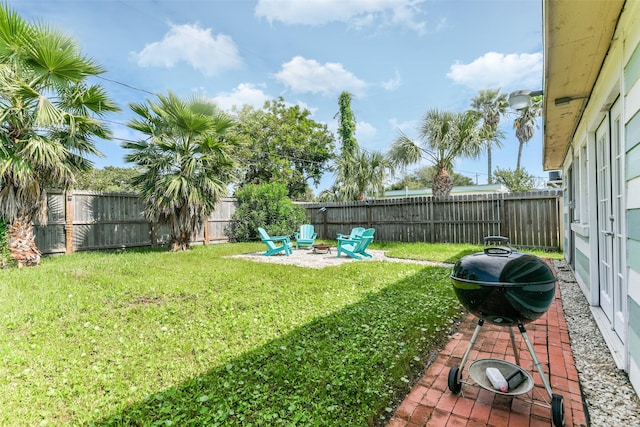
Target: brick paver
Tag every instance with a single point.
(432, 404)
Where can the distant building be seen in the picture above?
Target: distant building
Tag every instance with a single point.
(463, 189)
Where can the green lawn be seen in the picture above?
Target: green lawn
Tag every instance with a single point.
(154, 338)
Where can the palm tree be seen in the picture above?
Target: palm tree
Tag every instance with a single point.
(491, 104)
(48, 117)
(525, 123)
(359, 175)
(444, 136)
(187, 162)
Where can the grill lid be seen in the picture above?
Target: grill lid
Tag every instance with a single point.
(504, 286)
(501, 265)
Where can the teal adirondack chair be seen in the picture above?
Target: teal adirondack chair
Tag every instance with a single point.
(275, 244)
(306, 236)
(354, 248)
(356, 232)
(369, 232)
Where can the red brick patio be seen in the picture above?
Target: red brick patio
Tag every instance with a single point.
(430, 403)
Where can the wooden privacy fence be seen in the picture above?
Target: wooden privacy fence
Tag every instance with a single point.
(527, 219)
(84, 220)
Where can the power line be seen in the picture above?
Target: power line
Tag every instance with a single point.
(125, 85)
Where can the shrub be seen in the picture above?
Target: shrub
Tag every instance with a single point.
(5, 253)
(267, 206)
(517, 181)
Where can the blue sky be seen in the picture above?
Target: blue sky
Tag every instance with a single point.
(399, 58)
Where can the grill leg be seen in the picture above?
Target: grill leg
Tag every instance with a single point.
(474, 337)
(536, 361)
(513, 345)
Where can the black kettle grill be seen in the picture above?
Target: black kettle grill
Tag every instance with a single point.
(507, 288)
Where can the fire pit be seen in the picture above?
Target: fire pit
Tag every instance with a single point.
(321, 249)
(507, 288)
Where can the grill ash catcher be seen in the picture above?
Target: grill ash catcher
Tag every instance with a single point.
(507, 288)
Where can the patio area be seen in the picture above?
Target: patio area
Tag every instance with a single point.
(307, 257)
(430, 403)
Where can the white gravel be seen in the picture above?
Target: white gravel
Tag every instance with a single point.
(610, 398)
(305, 257)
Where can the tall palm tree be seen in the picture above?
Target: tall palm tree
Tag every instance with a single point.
(187, 160)
(525, 123)
(443, 137)
(48, 117)
(491, 104)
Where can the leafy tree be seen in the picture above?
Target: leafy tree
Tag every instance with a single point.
(423, 178)
(186, 161)
(267, 206)
(49, 115)
(491, 104)
(347, 125)
(443, 137)
(525, 123)
(110, 179)
(283, 144)
(517, 181)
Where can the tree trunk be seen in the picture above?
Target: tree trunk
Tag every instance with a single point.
(489, 165)
(519, 156)
(442, 183)
(22, 242)
(181, 242)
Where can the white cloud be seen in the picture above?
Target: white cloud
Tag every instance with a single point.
(393, 83)
(207, 53)
(365, 131)
(358, 13)
(497, 70)
(407, 126)
(308, 76)
(244, 93)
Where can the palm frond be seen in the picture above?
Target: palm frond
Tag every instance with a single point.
(404, 151)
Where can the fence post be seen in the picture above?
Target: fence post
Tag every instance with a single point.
(68, 221)
(325, 229)
(206, 230)
(504, 226)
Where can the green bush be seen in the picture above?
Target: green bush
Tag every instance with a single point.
(267, 206)
(517, 181)
(5, 254)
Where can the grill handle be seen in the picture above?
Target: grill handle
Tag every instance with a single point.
(497, 245)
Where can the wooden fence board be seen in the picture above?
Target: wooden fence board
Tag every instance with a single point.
(116, 220)
(111, 220)
(527, 219)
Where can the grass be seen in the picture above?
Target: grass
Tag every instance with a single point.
(146, 337)
(446, 252)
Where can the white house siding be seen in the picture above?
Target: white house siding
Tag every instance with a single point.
(633, 242)
(582, 263)
(633, 249)
(631, 81)
(619, 78)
